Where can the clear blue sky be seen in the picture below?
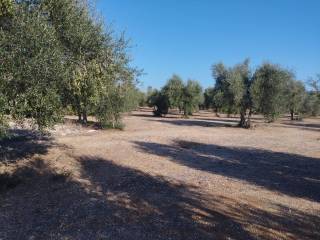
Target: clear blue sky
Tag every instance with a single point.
(187, 36)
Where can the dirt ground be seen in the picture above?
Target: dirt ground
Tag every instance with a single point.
(163, 178)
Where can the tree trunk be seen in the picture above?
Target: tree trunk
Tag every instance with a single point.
(292, 115)
(85, 118)
(217, 112)
(185, 114)
(229, 112)
(78, 106)
(245, 119)
(242, 119)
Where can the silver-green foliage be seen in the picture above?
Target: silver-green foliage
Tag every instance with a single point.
(31, 68)
(269, 90)
(174, 92)
(6, 8)
(191, 97)
(96, 59)
(54, 54)
(109, 108)
(159, 101)
(296, 95)
(177, 94)
(311, 104)
(222, 75)
(232, 90)
(3, 118)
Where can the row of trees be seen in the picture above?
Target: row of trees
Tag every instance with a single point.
(175, 94)
(270, 90)
(56, 55)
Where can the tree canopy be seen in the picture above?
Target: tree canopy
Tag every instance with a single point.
(270, 90)
(176, 94)
(55, 53)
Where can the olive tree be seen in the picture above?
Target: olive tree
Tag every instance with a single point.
(232, 90)
(208, 97)
(31, 68)
(217, 101)
(240, 80)
(221, 74)
(268, 90)
(296, 95)
(311, 104)
(54, 53)
(271, 90)
(191, 97)
(159, 102)
(315, 85)
(83, 44)
(134, 98)
(174, 92)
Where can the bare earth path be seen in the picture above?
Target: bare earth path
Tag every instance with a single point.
(167, 178)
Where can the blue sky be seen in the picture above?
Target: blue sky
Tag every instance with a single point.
(187, 36)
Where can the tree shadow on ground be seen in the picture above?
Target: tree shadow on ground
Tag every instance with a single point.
(91, 124)
(151, 115)
(302, 125)
(23, 144)
(290, 174)
(151, 207)
(311, 125)
(199, 123)
(216, 119)
(21, 147)
(237, 117)
(280, 223)
(29, 207)
(297, 127)
(117, 202)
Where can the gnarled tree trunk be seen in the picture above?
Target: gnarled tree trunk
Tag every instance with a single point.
(245, 119)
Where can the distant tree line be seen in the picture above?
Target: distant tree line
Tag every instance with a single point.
(270, 90)
(184, 96)
(55, 56)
